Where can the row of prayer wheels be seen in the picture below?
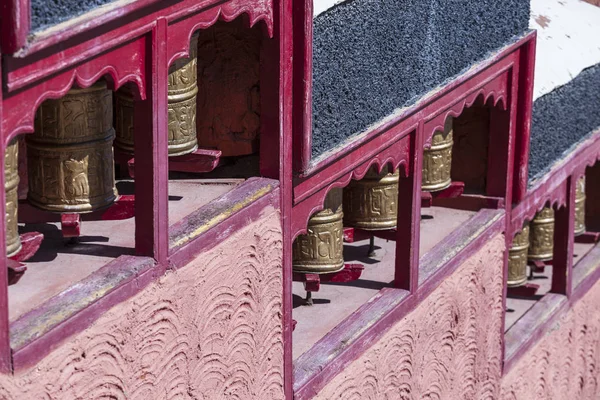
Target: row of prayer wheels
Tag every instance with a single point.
(370, 204)
(535, 242)
(70, 158)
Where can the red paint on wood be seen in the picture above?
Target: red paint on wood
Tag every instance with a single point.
(564, 224)
(527, 290)
(456, 189)
(151, 168)
(30, 242)
(70, 225)
(471, 202)
(588, 238)
(15, 25)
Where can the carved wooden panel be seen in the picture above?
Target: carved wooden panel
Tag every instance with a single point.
(447, 348)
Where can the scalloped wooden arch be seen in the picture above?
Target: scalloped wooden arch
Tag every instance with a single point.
(315, 203)
(180, 33)
(497, 93)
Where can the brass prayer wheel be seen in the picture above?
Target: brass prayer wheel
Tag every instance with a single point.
(372, 202)
(541, 237)
(517, 258)
(182, 94)
(124, 120)
(580, 206)
(320, 250)
(437, 160)
(69, 156)
(11, 185)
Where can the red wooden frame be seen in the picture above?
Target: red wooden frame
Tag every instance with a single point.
(136, 43)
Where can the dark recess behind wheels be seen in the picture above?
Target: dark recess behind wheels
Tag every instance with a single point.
(371, 57)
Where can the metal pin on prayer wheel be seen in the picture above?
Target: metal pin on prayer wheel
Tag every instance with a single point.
(11, 184)
(517, 258)
(541, 236)
(580, 206)
(69, 156)
(182, 94)
(320, 250)
(372, 202)
(437, 160)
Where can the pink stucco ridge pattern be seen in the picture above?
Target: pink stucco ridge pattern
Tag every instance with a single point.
(447, 348)
(564, 364)
(210, 330)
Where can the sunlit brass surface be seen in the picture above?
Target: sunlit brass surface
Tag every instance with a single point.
(372, 202)
(69, 156)
(182, 94)
(320, 250)
(437, 160)
(580, 207)
(517, 258)
(541, 236)
(11, 185)
(124, 120)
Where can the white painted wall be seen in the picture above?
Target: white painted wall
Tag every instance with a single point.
(320, 6)
(568, 41)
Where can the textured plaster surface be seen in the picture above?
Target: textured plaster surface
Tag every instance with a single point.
(565, 364)
(447, 348)
(210, 330)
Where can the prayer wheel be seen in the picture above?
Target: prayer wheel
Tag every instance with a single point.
(181, 99)
(11, 184)
(372, 202)
(541, 236)
(182, 94)
(580, 207)
(517, 258)
(124, 120)
(437, 160)
(320, 250)
(69, 156)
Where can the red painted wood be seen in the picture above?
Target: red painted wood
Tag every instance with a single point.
(70, 225)
(14, 28)
(426, 200)
(588, 237)
(499, 152)
(351, 272)
(531, 327)
(122, 208)
(527, 290)
(37, 333)
(302, 82)
(406, 274)
(201, 160)
(5, 351)
(456, 189)
(564, 224)
(30, 242)
(586, 274)
(523, 117)
(151, 168)
(15, 271)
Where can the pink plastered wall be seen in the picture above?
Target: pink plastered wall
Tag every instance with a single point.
(565, 364)
(447, 348)
(210, 330)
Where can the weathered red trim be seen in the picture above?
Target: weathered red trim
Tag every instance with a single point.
(531, 327)
(347, 341)
(585, 274)
(14, 28)
(36, 334)
(216, 221)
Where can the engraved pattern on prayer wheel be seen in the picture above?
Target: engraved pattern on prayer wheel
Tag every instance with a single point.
(124, 120)
(517, 258)
(69, 156)
(11, 185)
(372, 202)
(182, 94)
(320, 250)
(437, 160)
(580, 207)
(541, 236)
